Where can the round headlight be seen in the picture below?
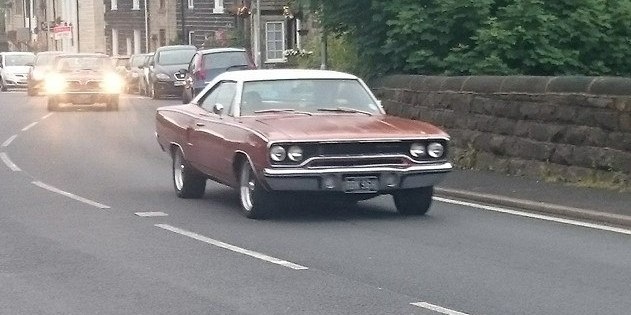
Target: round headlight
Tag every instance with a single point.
(55, 84)
(277, 153)
(295, 153)
(417, 150)
(435, 150)
(162, 76)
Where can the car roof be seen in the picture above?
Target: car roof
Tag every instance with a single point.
(17, 53)
(83, 55)
(284, 74)
(219, 50)
(50, 52)
(176, 47)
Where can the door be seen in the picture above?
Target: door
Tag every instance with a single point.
(209, 134)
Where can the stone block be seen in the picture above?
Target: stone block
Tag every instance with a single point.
(525, 84)
(610, 86)
(619, 140)
(569, 84)
(562, 154)
(484, 84)
(625, 123)
(454, 83)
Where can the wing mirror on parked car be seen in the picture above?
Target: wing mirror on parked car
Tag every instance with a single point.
(182, 71)
(218, 109)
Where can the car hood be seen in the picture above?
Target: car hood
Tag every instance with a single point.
(169, 69)
(17, 69)
(331, 127)
(84, 75)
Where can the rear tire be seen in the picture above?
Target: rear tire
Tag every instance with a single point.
(188, 182)
(31, 91)
(255, 201)
(52, 104)
(413, 201)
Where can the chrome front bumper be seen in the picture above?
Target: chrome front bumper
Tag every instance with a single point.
(332, 179)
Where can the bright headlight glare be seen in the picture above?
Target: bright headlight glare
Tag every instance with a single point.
(417, 150)
(55, 84)
(295, 153)
(435, 150)
(38, 75)
(277, 153)
(162, 76)
(112, 83)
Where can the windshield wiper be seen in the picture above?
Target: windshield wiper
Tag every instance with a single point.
(281, 110)
(237, 66)
(344, 110)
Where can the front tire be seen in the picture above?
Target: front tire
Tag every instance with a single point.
(413, 201)
(188, 182)
(52, 104)
(255, 201)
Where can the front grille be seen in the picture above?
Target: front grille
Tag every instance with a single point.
(179, 76)
(83, 86)
(357, 162)
(366, 148)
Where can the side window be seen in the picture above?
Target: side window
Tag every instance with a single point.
(192, 64)
(223, 93)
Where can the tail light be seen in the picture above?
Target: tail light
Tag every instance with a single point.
(199, 72)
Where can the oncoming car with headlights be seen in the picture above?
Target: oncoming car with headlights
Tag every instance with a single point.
(83, 79)
(43, 63)
(278, 133)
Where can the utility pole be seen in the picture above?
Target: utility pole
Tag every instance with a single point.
(146, 28)
(257, 35)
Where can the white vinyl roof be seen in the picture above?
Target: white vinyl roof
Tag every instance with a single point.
(282, 74)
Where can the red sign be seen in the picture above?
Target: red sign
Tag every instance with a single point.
(62, 31)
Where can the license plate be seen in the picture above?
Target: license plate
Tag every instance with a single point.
(361, 184)
(178, 83)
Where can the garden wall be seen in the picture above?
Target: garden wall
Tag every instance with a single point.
(575, 129)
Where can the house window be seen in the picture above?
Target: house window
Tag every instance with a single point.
(135, 5)
(114, 42)
(191, 37)
(162, 37)
(114, 5)
(191, 4)
(218, 7)
(274, 41)
(128, 42)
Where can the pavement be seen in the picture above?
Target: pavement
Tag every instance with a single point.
(557, 199)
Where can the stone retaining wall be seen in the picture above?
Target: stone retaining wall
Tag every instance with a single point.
(575, 129)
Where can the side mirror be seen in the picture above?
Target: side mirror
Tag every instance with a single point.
(218, 109)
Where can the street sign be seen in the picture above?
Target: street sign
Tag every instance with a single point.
(62, 31)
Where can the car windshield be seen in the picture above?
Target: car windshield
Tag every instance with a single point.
(307, 96)
(223, 60)
(175, 57)
(121, 62)
(75, 63)
(45, 59)
(18, 60)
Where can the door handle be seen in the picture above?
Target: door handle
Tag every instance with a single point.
(199, 124)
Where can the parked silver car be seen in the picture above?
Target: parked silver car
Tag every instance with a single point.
(14, 69)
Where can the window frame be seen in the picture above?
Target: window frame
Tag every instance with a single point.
(190, 4)
(218, 7)
(283, 41)
(113, 5)
(135, 5)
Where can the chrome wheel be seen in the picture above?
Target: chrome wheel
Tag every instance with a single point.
(187, 182)
(248, 186)
(178, 172)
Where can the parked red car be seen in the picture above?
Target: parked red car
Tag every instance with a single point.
(273, 133)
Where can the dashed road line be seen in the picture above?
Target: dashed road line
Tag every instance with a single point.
(151, 214)
(69, 195)
(7, 161)
(233, 248)
(437, 308)
(8, 142)
(536, 216)
(47, 115)
(31, 125)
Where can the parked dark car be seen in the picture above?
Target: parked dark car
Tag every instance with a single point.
(36, 75)
(83, 79)
(276, 133)
(209, 63)
(164, 74)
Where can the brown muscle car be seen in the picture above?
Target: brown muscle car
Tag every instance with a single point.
(83, 79)
(273, 133)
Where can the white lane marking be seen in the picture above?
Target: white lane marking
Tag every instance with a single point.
(233, 248)
(5, 158)
(537, 216)
(69, 195)
(30, 126)
(151, 214)
(8, 142)
(47, 115)
(437, 308)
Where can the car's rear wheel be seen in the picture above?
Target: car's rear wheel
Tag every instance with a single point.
(112, 104)
(187, 181)
(413, 201)
(256, 202)
(52, 104)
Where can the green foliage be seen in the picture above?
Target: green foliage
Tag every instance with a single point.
(537, 37)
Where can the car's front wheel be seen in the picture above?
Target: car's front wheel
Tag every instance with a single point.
(256, 202)
(52, 104)
(187, 181)
(112, 104)
(413, 201)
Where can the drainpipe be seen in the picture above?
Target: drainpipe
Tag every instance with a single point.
(146, 28)
(257, 35)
